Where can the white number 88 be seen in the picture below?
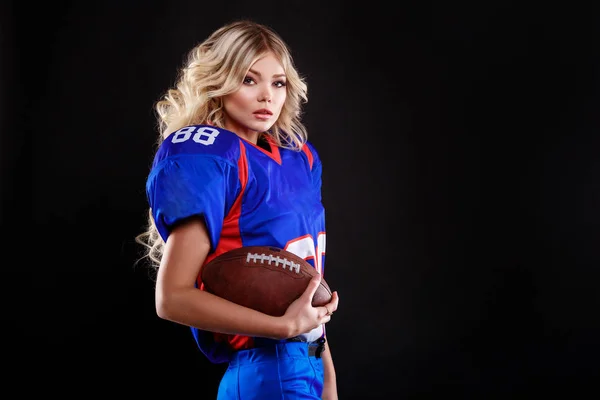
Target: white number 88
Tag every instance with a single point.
(204, 135)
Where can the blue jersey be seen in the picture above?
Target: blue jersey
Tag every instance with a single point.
(246, 195)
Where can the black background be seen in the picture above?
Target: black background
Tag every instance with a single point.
(461, 182)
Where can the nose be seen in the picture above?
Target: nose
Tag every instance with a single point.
(265, 95)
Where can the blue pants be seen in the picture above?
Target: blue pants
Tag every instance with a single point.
(282, 371)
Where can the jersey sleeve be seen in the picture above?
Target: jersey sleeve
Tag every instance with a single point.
(194, 181)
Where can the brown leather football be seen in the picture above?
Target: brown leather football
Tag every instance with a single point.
(264, 278)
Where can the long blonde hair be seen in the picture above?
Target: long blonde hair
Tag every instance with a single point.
(215, 68)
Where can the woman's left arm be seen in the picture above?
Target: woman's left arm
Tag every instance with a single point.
(329, 383)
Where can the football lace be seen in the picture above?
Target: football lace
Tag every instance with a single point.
(269, 259)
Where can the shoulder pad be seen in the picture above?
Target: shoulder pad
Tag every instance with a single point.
(201, 140)
(311, 154)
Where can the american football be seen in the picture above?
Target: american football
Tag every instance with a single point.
(264, 278)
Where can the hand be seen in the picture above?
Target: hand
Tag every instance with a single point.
(301, 317)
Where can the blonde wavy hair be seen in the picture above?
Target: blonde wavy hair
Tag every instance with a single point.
(215, 68)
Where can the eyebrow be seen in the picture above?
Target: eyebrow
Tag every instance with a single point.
(274, 76)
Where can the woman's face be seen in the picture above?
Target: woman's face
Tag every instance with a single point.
(256, 105)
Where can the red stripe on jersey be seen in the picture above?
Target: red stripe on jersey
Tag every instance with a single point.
(274, 149)
(230, 233)
(274, 153)
(309, 155)
(231, 239)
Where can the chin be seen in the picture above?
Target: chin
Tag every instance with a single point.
(261, 126)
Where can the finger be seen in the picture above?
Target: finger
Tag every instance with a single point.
(312, 286)
(333, 304)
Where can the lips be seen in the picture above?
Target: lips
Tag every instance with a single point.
(263, 111)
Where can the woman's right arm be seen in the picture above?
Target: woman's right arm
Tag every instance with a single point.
(178, 300)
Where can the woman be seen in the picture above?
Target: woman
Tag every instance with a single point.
(233, 168)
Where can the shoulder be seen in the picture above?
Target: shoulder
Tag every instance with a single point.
(311, 154)
(197, 140)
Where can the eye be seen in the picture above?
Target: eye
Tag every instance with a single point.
(248, 81)
(279, 84)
